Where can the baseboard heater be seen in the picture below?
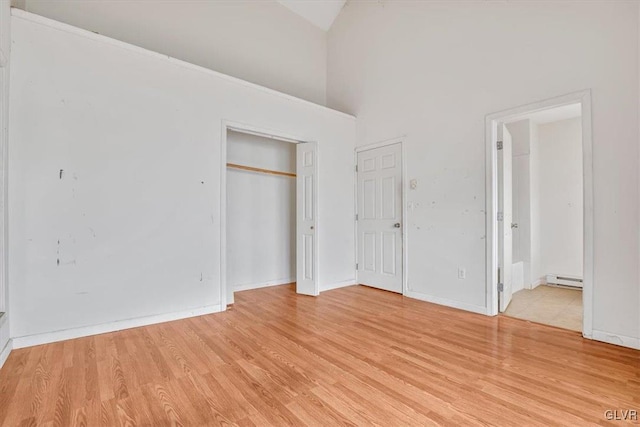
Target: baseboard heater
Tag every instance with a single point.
(570, 281)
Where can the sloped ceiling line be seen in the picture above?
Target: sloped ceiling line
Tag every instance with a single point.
(320, 13)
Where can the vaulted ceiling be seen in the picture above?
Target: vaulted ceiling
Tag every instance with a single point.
(320, 13)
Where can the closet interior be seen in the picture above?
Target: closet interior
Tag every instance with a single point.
(261, 211)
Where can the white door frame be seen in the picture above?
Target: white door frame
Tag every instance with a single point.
(491, 127)
(403, 234)
(226, 126)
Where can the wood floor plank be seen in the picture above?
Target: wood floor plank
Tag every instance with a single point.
(353, 356)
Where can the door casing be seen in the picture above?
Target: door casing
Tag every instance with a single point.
(505, 205)
(491, 162)
(226, 296)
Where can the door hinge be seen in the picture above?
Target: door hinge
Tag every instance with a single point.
(356, 266)
(500, 216)
(356, 168)
(500, 287)
(356, 217)
(500, 145)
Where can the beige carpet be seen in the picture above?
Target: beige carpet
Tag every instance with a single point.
(548, 305)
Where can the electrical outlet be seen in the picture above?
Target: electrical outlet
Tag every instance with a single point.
(462, 273)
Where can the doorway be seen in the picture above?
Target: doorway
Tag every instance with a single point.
(540, 212)
(269, 207)
(379, 217)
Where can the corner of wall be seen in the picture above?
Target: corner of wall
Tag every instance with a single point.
(19, 4)
(638, 231)
(6, 344)
(5, 54)
(4, 353)
(337, 285)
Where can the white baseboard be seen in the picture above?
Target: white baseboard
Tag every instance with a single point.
(447, 302)
(84, 331)
(4, 354)
(337, 285)
(263, 284)
(538, 282)
(616, 339)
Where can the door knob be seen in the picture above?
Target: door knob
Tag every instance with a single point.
(396, 225)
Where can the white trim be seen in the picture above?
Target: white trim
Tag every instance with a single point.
(224, 298)
(263, 132)
(447, 302)
(5, 19)
(537, 283)
(267, 284)
(316, 214)
(4, 162)
(491, 207)
(491, 123)
(248, 129)
(404, 234)
(337, 285)
(355, 213)
(379, 144)
(227, 125)
(84, 331)
(37, 19)
(616, 339)
(4, 354)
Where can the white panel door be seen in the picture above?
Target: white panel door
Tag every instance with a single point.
(307, 218)
(505, 220)
(379, 218)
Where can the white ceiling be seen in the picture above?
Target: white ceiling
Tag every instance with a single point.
(320, 13)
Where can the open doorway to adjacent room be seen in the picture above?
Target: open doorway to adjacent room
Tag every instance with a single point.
(542, 229)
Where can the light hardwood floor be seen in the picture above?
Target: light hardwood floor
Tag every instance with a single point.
(549, 305)
(353, 356)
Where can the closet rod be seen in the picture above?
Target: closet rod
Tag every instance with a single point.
(260, 170)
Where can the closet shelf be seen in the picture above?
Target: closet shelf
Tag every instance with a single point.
(259, 170)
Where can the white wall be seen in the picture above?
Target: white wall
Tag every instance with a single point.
(433, 70)
(5, 52)
(559, 171)
(259, 41)
(548, 198)
(134, 217)
(261, 212)
(536, 206)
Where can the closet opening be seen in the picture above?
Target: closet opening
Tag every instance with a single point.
(269, 205)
